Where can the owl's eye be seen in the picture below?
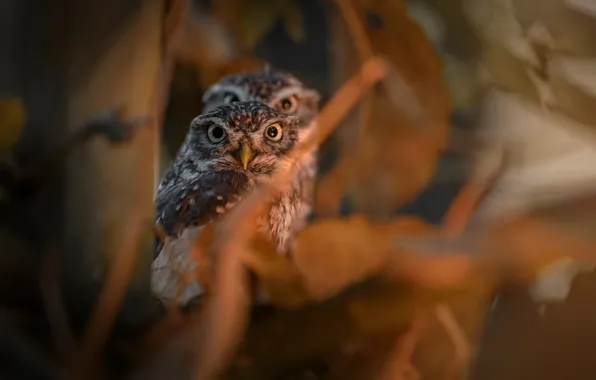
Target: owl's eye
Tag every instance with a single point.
(288, 105)
(215, 133)
(230, 97)
(274, 132)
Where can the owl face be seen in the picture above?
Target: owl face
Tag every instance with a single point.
(280, 91)
(246, 137)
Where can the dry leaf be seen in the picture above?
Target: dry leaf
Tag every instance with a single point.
(395, 156)
(259, 16)
(279, 278)
(336, 253)
(332, 254)
(12, 120)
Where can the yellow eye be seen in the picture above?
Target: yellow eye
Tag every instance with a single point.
(288, 105)
(274, 132)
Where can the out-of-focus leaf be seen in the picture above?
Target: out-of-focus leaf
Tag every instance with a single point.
(293, 22)
(332, 254)
(278, 276)
(328, 257)
(350, 249)
(12, 119)
(406, 127)
(554, 282)
(544, 53)
(259, 16)
(461, 77)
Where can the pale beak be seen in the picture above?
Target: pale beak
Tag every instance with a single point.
(245, 155)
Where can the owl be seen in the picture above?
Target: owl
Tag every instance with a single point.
(285, 93)
(227, 150)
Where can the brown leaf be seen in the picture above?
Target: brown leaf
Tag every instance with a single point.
(396, 155)
(336, 253)
(280, 278)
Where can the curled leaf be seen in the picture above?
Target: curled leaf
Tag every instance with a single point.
(336, 253)
(279, 278)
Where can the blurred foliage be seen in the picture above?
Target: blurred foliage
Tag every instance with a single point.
(259, 16)
(13, 117)
(391, 153)
(537, 52)
(352, 286)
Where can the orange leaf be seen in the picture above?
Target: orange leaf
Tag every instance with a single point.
(335, 253)
(406, 130)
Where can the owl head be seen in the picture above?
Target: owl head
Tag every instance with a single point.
(250, 138)
(279, 90)
(226, 151)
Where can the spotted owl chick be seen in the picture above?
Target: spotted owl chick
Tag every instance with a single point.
(288, 95)
(227, 151)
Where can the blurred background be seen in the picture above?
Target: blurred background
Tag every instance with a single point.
(496, 96)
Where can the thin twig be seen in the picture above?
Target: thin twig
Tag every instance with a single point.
(456, 333)
(226, 311)
(399, 366)
(474, 191)
(54, 306)
(111, 297)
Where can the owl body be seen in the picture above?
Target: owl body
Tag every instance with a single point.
(288, 95)
(227, 151)
(208, 176)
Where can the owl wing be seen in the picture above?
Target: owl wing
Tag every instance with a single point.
(196, 202)
(183, 208)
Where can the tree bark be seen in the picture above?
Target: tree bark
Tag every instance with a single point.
(115, 56)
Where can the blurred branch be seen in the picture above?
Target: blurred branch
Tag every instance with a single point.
(463, 349)
(55, 308)
(400, 366)
(475, 189)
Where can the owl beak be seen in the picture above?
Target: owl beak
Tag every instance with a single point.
(245, 155)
